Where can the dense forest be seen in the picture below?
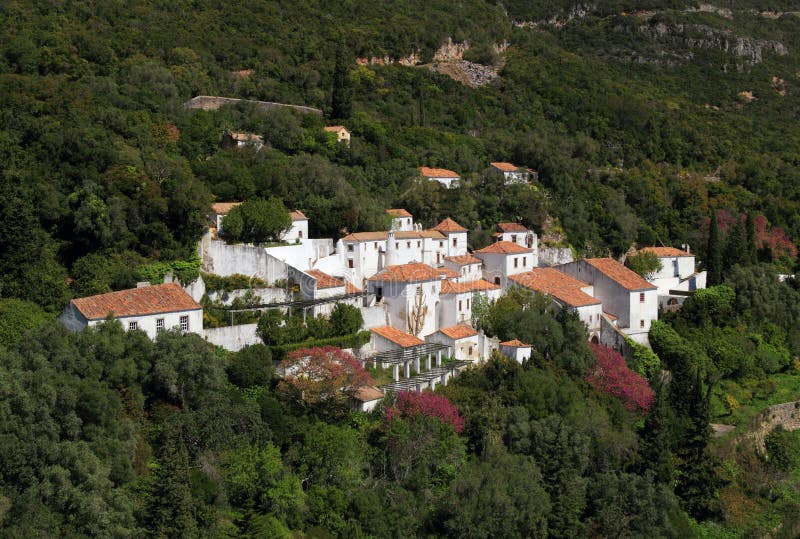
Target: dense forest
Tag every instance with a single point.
(657, 122)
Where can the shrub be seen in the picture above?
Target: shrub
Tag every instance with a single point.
(410, 404)
(612, 376)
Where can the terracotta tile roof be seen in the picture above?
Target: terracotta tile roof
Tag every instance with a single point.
(398, 337)
(398, 212)
(504, 247)
(447, 273)
(609, 315)
(157, 299)
(297, 215)
(663, 252)
(620, 274)
(511, 227)
(222, 208)
(459, 332)
(559, 285)
(515, 343)
(365, 236)
(452, 287)
(415, 271)
(429, 172)
(324, 280)
(334, 128)
(464, 260)
(367, 394)
(350, 288)
(505, 167)
(448, 225)
(416, 234)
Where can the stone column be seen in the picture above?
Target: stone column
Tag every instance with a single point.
(438, 358)
(416, 364)
(396, 371)
(407, 369)
(428, 362)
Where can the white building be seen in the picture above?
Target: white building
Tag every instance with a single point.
(456, 236)
(151, 309)
(519, 234)
(678, 275)
(503, 259)
(462, 340)
(299, 228)
(625, 295)
(512, 173)
(387, 339)
(323, 286)
(401, 219)
(341, 132)
(566, 292)
(411, 294)
(242, 140)
(456, 299)
(218, 212)
(366, 398)
(468, 267)
(516, 350)
(448, 178)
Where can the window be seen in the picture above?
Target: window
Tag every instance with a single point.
(350, 263)
(470, 351)
(467, 303)
(418, 245)
(299, 233)
(349, 247)
(455, 242)
(408, 245)
(185, 323)
(590, 318)
(459, 305)
(524, 261)
(133, 326)
(441, 245)
(438, 258)
(159, 325)
(641, 323)
(516, 262)
(397, 245)
(513, 238)
(376, 245)
(641, 297)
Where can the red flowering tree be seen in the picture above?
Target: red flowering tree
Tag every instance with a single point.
(612, 376)
(324, 374)
(410, 404)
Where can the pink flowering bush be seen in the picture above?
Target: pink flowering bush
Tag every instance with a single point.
(410, 404)
(610, 375)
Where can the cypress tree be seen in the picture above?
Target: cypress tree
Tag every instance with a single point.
(736, 249)
(751, 239)
(714, 253)
(342, 95)
(657, 438)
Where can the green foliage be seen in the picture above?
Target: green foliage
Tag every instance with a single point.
(229, 283)
(251, 366)
(345, 341)
(345, 320)
(17, 317)
(643, 360)
(714, 262)
(783, 448)
(257, 221)
(645, 263)
(185, 271)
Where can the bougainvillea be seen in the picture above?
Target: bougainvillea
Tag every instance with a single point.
(411, 404)
(318, 374)
(612, 376)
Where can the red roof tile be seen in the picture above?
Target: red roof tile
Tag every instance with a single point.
(324, 280)
(515, 343)
(620, 274)
(398, 212)
(511, 227)
(504, 247)
(464, 260)
(398, 337)
(505, 167)
(559, 285)
(365, 236)
(452, 287)
(367, 394)
(663, 252)
(222, 208)
(350, 288)
(459, 332)
(399, 235)
(157, 299)
(297, 215)
(415, 271)
(334, 128)
(447, 273)
(448, 225)
(429, 172)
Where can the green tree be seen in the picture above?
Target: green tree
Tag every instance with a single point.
(251, 366)
(645, 263)
(18, 317)
(342, 94)
(170, 508)
(752, 247)
(737, 251)
(262, 221)
(714, 252)
(345, 319)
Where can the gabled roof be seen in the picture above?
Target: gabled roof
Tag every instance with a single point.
(561, 286)
(429, 172)
(398, 212)
(452, 287)
(515, 343)
(505, 167)
(464, 260)
(157, 299)
(350, 288)
(222, 208)
(618, 273)
(334, 128)
(447, 273)
(398, 235)
(413, 272)
(297, 215)
(511, 227)
(324, 280)
(664, 252)
(367, 394)
(400, 338)
(504, 247)
(365, 236)
(459, 332)
(448, 225)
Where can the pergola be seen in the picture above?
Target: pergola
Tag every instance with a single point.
(408, 356)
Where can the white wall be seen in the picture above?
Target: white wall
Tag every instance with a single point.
(465, 349)
(233, 338)
(298, 230)
(171, 321)
(263, 295)
(375, 316)
(554, 256)
(399, 298)
(459, 247)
